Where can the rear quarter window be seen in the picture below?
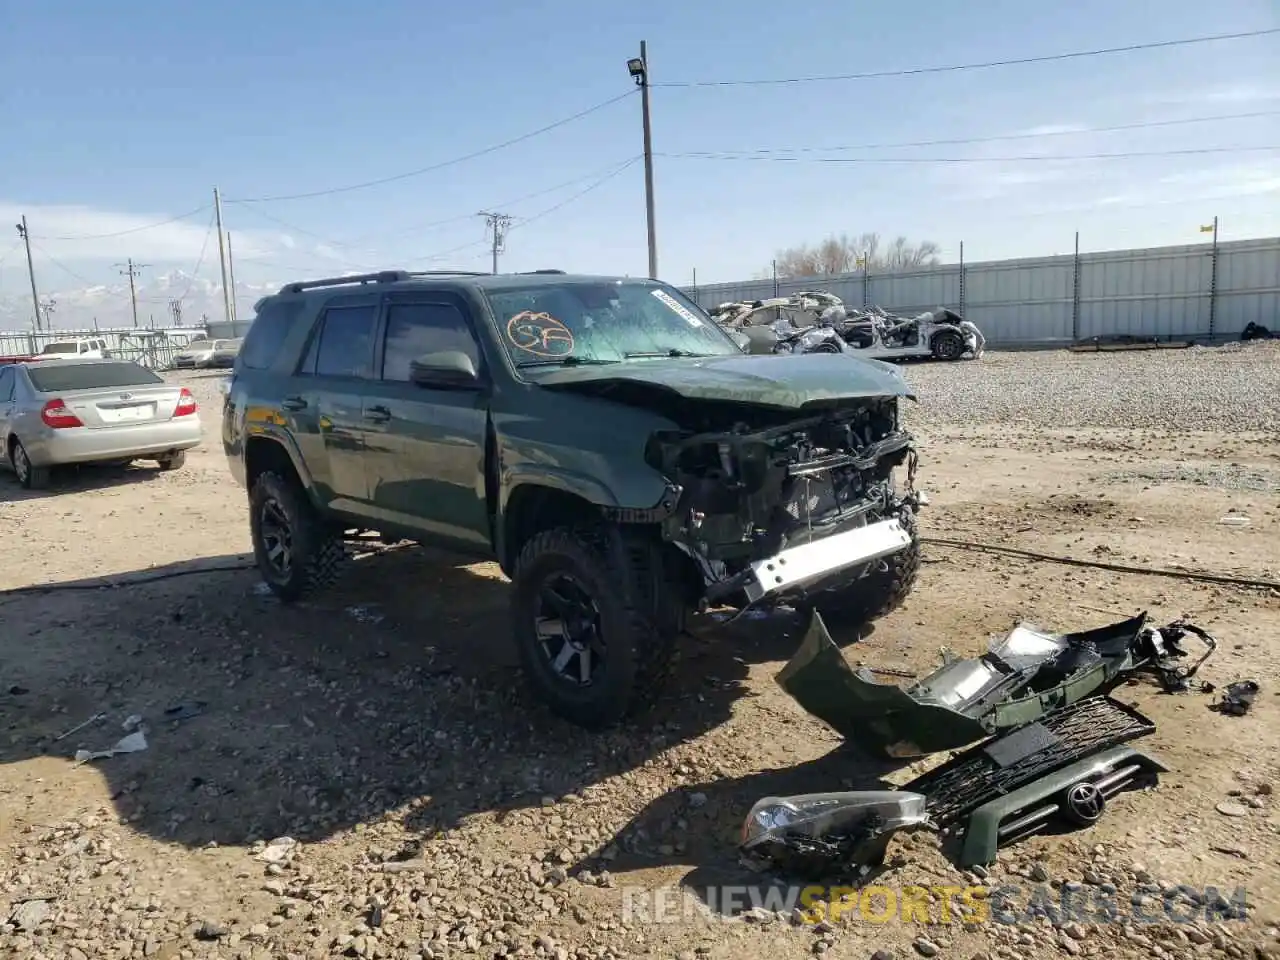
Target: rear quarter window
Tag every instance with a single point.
(267, 334)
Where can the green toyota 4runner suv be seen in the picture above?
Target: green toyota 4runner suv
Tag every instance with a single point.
(602, 439)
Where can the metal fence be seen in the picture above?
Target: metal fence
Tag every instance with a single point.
(1198, 292)
(154, 349)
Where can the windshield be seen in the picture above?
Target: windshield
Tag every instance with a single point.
(90, 376)
(582, 321)
(67, 346)
(225, 344)
(199, 345)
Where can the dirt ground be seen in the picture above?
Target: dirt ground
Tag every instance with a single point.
(437, 812)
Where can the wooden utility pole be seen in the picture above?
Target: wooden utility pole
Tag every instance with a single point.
(222, 255)
(132, 270)
(231, 269)
(497, 224)
(31, 270)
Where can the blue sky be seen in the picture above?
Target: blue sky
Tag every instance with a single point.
(124, 114)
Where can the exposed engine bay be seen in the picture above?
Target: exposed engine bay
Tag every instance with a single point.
(752, 495)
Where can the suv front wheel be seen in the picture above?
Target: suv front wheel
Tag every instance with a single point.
(297, 552)
(595, 627)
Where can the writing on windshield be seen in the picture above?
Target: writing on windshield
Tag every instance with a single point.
(602, 321)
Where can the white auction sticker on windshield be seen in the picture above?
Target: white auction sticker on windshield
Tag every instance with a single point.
(675, 305)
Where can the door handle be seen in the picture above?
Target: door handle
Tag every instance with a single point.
(293, 403)
(377, 414)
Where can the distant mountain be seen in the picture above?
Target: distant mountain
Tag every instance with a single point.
(108, 304)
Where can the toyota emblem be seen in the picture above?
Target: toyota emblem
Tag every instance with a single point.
(1085, 802)
(126, 396)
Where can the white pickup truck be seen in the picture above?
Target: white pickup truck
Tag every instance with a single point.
(86, 347)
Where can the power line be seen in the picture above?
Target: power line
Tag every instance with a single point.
(537, 216)
(581, 193)
(67, 270)
(199, 260)
(440, 166)
(11, 251)
(1038, 157)
(1140, 125)
(505, 203)
(125, 233)
(956, 67)
(609, 172)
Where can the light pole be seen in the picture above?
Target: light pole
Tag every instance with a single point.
(638, 67)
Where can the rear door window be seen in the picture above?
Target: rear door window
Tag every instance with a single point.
(343, 344)
(6, 384)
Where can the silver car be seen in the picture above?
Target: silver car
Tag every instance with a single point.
(207, 353)
(55, 412)
(224, 353)
(197, 353)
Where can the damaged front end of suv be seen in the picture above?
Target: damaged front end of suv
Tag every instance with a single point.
(777, 509)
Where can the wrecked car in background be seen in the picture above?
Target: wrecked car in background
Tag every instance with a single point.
(784, 325)
(942, 333)
(1048, 744)
(607, 444)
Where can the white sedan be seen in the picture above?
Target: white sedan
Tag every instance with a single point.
(55, 412)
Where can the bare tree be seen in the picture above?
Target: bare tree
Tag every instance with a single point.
(842, 254)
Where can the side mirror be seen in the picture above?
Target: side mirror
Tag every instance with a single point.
(448, 370)
(741, 339)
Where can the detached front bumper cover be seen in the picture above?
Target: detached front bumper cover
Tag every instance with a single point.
(1022, 677)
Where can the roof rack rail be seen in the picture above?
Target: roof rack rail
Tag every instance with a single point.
(559, 272)
(448, 273)
(383, 276)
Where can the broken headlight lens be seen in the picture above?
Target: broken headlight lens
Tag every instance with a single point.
(820, 814)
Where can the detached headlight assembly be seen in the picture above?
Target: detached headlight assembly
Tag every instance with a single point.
(817, 833)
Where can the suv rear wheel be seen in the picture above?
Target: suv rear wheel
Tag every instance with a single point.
(297, 552)
(596, 631)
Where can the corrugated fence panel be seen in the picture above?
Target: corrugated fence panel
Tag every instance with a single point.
(1158, 292)
(1021, 301)
(917, 291)
(1145, 293)
(848, 286)
(1248, 287)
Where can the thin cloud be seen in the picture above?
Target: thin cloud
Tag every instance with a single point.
(1236, 94)
(109, 235)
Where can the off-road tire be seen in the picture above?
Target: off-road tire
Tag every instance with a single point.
(30, 477)
(947, 345)
(319, 554)
(641, 616)
(175, 461)
(878, 594)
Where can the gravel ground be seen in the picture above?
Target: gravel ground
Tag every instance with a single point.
(364, 776)
(1231, 388)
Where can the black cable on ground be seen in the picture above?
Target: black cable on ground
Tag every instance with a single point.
(1102, 565)
(104, 583)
